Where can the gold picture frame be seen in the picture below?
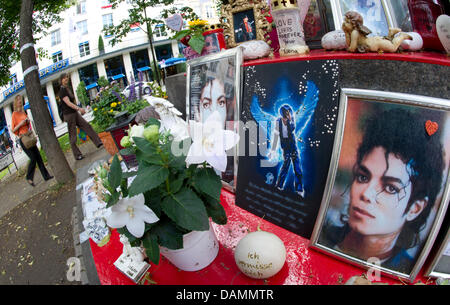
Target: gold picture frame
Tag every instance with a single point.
(236, 10)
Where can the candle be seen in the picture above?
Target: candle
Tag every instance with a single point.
(289, 24)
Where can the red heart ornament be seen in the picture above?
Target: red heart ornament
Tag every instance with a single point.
(431, 127)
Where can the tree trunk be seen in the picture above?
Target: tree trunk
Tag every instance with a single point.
(44, 126)
(150, 39)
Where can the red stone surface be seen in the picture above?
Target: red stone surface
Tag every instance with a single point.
(423, 57)
(304, 265)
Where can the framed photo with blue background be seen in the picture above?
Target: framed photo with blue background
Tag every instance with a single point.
(288, 118)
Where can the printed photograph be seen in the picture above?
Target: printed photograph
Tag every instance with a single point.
(244, 26)
(372, 12)
(211, 44)
(389, 184)
(212, 88)
(287, 138)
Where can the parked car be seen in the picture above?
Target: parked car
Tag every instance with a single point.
(146, 89)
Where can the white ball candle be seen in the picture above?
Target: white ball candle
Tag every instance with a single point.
(260, 254)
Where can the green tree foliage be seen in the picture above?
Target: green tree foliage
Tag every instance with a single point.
(82, 94)
(46, 13)
(139, 15)
(101, 44)
(102, 82)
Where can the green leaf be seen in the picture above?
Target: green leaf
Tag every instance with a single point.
(178, 163)
(147, 151)
(150, 243)
(127, 151)
(145, 146)
(147, 178)
(115, 174)
(124, 187)
(197, 43)
(215, 210)
(168, 235)
(148, 158)
(153, 121)
(129, 174)
(153, 201)
(187, 210)
(176, 184)
(113, 199)
(205, 180)
(181, 34)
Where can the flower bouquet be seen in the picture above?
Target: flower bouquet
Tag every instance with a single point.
(175, 189)
(193, 35)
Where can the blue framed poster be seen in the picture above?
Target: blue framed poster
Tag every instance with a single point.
(288, 118)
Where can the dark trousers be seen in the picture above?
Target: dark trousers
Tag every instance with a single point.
(288, 158)
(73, 120)
(35, 157)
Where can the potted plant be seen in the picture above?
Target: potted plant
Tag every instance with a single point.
(172, 196)
(108, 103)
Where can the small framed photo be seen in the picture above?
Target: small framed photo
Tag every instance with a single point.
(213, 84)
(245, 21)
(387, 189)
(316, 23)
(244, 26)
(375, 13)
(440, 265)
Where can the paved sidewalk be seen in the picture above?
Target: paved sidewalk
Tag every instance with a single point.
(39, 226)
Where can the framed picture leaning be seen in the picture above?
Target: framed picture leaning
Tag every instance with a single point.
(244, 20)
(213, 85)
(388, 187)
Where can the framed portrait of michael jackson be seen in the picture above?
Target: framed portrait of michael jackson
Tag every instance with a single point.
(387, 189)
(213, 85)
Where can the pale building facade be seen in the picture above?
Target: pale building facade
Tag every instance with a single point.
(73, 47)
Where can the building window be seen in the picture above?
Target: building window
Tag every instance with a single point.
(82, 27)
(208, 11)
(81, 7)
(106, 4)
(84, 49)
(158, 32)
(107, 20)
(57, 56)
(56, 37)
(13, 79)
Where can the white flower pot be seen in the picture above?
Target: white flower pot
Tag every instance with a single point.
(199, 250)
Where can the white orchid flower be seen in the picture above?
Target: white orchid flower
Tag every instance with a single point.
(179, 130)
(170, 118)
(133, 213)
(175, 111)
(210, 141)
(136, 131)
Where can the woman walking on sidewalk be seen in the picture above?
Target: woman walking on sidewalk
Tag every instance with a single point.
(20, 126)
(73, 118)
